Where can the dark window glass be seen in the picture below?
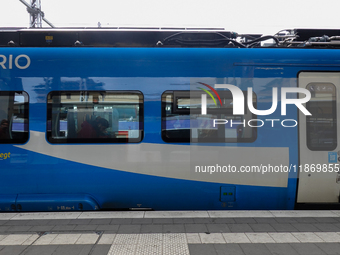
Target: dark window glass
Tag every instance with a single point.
(321, 125)
(182, 120)
(95, 117)
(13, 117)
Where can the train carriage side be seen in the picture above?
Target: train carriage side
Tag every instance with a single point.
(156, 149)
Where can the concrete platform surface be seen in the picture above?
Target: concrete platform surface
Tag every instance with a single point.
(171, 232)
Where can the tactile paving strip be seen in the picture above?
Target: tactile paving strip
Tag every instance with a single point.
(122, 249)
(126, 239)
(149, 249)
(175, 249)
(149, 244)
(174, 238)
(150, 239)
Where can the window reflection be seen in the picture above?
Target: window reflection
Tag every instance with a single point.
(321, 125)
(13, 117)
(182, 120)
(95, 116)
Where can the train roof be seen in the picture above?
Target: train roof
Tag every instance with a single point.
(167, 38)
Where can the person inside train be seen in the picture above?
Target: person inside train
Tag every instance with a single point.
(94, 129)
(4, 131)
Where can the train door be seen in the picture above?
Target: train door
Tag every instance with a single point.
(319, 145)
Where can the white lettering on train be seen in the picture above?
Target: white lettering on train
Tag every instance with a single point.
(7, 62)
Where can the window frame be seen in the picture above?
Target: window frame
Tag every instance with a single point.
(310, 146)
(25, 137)
(226, 94)
(110, 140)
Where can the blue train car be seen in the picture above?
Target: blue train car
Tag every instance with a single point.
(168, 120)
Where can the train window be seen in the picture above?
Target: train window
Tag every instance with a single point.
(95, 117)
(182, 121)
(13, 117)
(321, 125)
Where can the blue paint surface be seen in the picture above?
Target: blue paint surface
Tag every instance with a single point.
(151, 71)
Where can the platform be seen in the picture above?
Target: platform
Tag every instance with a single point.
(171, 232)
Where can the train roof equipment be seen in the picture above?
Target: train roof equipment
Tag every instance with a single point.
(166, 38)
